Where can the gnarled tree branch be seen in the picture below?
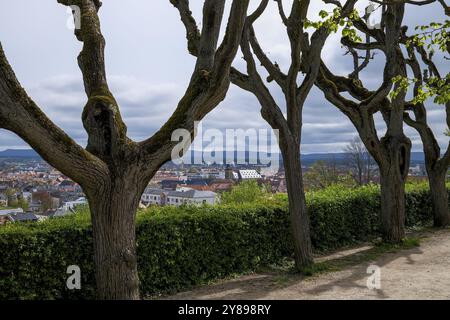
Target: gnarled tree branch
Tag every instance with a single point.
(211, 77)
(20, 114)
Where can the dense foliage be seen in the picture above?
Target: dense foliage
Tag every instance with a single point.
(247, 191)
(181, 247)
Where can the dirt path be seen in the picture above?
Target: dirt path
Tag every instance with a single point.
(416, 273)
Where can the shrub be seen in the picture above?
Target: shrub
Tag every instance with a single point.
(177, 247)
(418, 204)
(35, 256)
(341, 216)
(181, 247)
(245, 192)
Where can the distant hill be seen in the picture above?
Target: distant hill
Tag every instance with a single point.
(417, 157)
(19, 153)
(307, 159)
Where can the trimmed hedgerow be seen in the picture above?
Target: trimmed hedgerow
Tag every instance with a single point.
(177, 247)
(34, 258)
(181, 247)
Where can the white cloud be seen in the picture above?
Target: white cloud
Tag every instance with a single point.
(149, 68)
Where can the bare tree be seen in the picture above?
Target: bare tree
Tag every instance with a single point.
(323, 174)
(113, 170)
(360, 161)
(392, 151)
(305, 53)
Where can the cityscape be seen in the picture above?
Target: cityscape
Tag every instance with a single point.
(31, 190)
(233, 150)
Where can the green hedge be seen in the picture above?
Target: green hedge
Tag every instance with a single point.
(181, 247)
(176, 248)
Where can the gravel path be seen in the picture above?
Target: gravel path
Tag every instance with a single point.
(417, 273)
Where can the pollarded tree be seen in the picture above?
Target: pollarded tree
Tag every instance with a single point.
(392, 151)
(305, 50)
(302, 52)
(428, 82)
(113, 170)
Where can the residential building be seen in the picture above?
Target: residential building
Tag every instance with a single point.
(71, 205)
(179, 197)
(7, 215)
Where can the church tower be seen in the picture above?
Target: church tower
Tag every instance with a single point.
(229, 173)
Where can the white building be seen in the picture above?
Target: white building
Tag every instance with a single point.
(152, 196)
(249, 174)
(162, 197)
(416, 170)
(10, 211)
(71, 205)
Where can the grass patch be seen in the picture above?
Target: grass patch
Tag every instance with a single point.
(318, 268)
(411, 242)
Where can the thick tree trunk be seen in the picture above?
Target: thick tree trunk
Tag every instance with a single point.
(113, 209)
(392, 207)
(393, 173)
(439, 197)
(297, 206)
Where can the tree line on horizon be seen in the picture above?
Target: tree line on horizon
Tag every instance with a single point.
(114, 170)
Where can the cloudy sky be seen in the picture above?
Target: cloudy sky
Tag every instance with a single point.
(148, 68)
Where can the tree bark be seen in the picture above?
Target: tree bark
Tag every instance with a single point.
(113, 208)
(305, 58)
(297, 205)
(392, 207)
(393, 173)
(439, 197)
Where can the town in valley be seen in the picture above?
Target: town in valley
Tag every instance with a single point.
(31, 190)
